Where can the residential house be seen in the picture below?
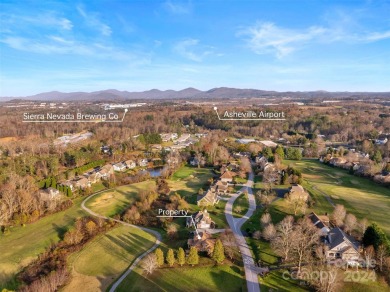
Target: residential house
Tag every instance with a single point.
(130, 164)
(194, 161)
(337, 161)
(94, 177)
(201, 220)
(268, 143)
(143, 162)
(120, 166)
(69, 184)
(82, 183)
(381, 141)
(106, 171)
(209, 198)
(202, 241)
(220, 187)
(105, 149)
(342, 246)
(321, 222)
(245, 141)
(269, 167)
(297, 192)
(49, 194)
(227, 176)
(183, 138)
(168, 136)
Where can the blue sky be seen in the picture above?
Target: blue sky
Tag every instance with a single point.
(141, 45)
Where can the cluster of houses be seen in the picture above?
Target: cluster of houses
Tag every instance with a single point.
(358, 162)
(219, 187)
(180, 143)
(102, 173)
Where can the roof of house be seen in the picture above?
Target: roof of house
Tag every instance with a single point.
(318, 221)
(268, 143)
(228, 174)
(336, 236)
(209, 197)
(203, 243)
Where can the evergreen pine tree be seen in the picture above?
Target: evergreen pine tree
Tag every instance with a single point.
(193, 257)
(170, 257)
(218, 253)
(159, 257)
(181, 257)
(53, 183)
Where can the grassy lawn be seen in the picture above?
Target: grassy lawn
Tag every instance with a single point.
(241, 202)
(198, 278)
(188, 180)
(23, 244)
(115, 250)
(361, 196)
(112, 202)
(217, 214)
(240, 180)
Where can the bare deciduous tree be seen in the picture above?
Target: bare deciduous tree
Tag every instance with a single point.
(269, 232)
(282, 243)
(229, 243)
(304, 237)
(350, 223)
(265, 219)
(338, 214)
(381, 255)
(149, 264)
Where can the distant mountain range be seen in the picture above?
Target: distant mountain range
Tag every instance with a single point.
(191, 93)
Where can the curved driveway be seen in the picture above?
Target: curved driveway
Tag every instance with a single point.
(136, 261)
(235, 225)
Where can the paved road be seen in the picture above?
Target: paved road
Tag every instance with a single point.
(137, 260)
(235, 225)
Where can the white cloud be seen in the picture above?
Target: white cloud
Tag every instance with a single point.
(264, 38)
(268, 38)
(192, 50)
(177, 8)
(49, 19)
(92, 20)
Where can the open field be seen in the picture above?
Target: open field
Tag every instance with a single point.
(198, 278)
(116, 250)
(115, 201)
(23, 244)
(360, 196)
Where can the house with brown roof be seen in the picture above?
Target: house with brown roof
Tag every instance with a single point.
(227, 176)
(220, 187)
(82, 183)
(209, 198)
(106, 171)
(297, 192)
(337, 161)
(202, 241)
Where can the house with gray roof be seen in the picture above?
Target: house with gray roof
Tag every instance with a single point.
(342, 246)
